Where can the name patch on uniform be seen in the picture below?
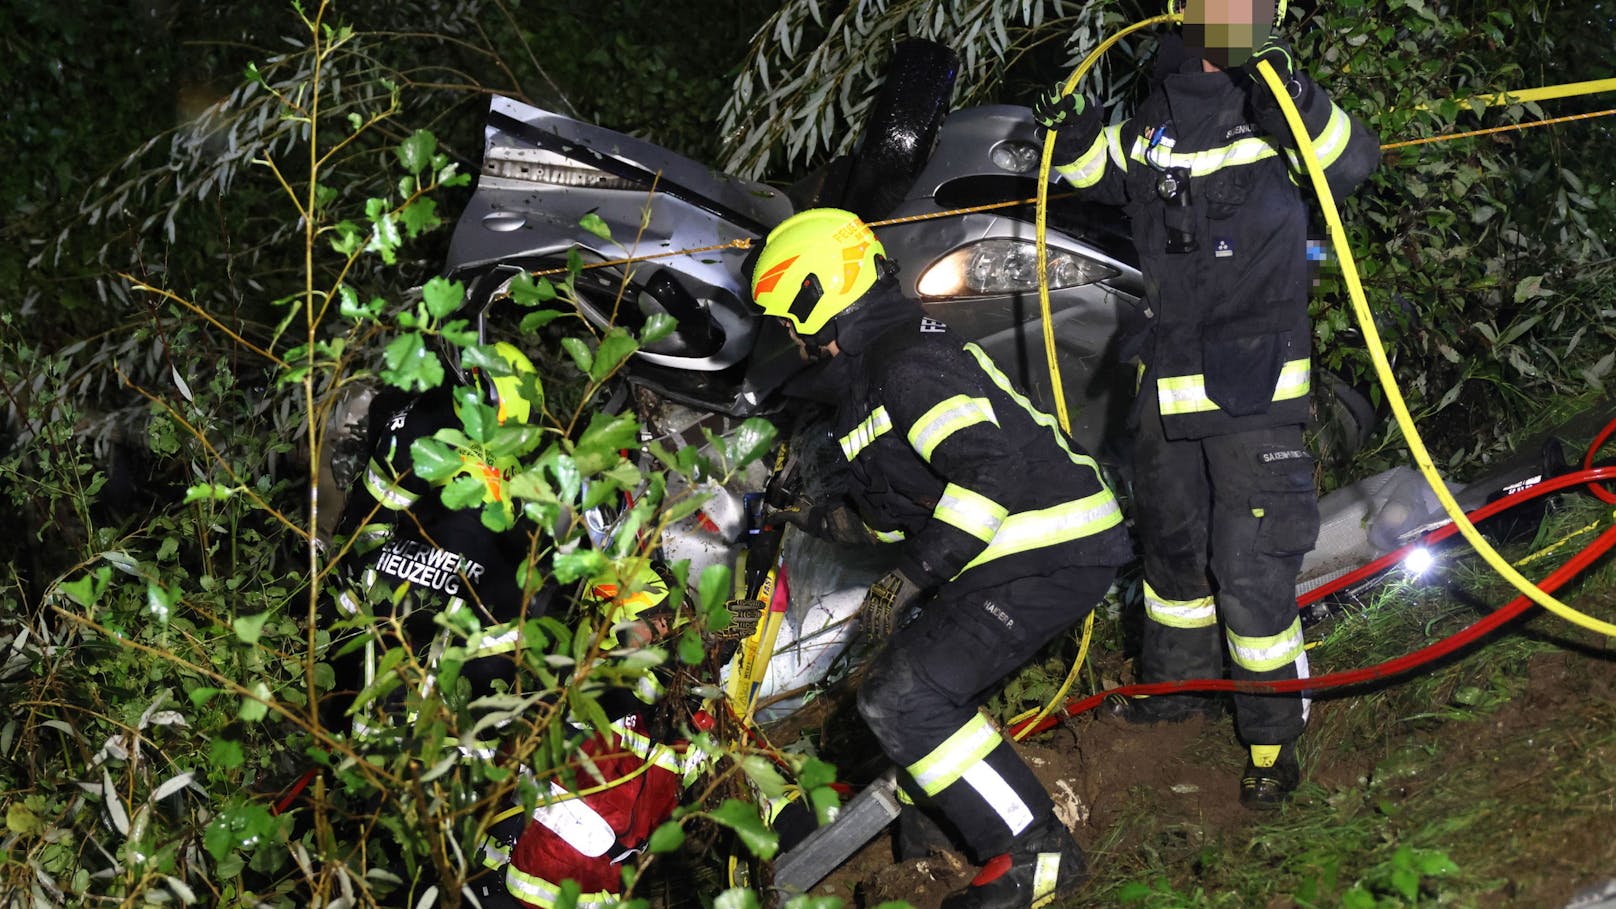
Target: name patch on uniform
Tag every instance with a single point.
(1244, 129)
(1270, 457)
(1223, 248)
(997, 611)
(928, 324)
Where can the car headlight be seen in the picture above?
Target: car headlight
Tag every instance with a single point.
(1006, 266)
(1016, 156)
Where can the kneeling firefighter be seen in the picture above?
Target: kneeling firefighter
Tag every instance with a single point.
(1008, 533)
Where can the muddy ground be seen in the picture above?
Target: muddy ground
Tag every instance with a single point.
(1521, 798)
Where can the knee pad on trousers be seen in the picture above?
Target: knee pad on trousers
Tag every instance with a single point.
(884, 695)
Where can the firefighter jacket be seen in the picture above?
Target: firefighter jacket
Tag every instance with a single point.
(1220, 225)
(948, 455)
(406, 537)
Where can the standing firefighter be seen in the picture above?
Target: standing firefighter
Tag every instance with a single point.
(1223, 482)
(1009, 536)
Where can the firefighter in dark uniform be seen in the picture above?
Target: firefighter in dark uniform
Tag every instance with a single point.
(1223, 484)
(1005, 525)
(410, 547)
(415, 554)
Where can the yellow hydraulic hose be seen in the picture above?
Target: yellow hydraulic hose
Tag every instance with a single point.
(1056, 388)
(1377, 354)
(1043, 210)
(1360, 309)
(1542, 93)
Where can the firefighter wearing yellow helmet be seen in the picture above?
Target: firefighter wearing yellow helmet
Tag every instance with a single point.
(1224, 502)
(1003, 535)
(816, 266)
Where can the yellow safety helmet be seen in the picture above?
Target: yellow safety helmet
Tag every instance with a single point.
(507, 393)
(626, 599)
(815, 265)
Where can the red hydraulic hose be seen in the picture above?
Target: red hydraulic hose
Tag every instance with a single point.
(1400, 664)
(1600, 492)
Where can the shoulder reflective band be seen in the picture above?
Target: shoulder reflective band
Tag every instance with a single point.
(863, 435)
(1187, 394)
(1042, 419)
(1197, 613)
(947, 418)
(1265, 654)
(975, 514)
(383, 488)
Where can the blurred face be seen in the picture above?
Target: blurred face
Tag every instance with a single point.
(1228, 30)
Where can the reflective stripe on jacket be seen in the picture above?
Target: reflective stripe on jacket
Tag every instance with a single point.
(946, 449)
(1230, 335)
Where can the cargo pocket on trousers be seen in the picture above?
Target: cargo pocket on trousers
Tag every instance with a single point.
(966, 651)
(1241, 370)
(1288, 522)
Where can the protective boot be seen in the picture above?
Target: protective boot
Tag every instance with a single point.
(1044, 864)
(1164, 708)
(1272, 774)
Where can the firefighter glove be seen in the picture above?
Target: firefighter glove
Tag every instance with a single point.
(1297, 84)
(1074, 121)
(893, 602)
(835, 522)
(1278, 54)
(1056, 109)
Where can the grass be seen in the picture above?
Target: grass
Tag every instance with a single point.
(1485, 780)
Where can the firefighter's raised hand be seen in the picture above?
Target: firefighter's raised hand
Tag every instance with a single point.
(1264, 106)
(1278, 54)
(1074, 121)
(1058, 111)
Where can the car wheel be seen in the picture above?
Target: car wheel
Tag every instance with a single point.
(902, 127)
(1343, 418)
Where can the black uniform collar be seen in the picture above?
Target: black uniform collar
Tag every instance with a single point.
(882, 308)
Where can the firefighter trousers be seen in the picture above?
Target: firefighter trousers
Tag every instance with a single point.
(1223, 523)
(922, 697)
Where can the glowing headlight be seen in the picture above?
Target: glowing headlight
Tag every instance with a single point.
(1418, 561)
(1006, 266)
